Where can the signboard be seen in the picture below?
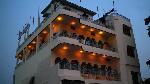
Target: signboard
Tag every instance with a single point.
(24, 32)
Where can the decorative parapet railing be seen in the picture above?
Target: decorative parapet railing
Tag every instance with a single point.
(58, 38)
(27, 39)
(86, 41)
(88, 71)
(125, 18)
(59, 11)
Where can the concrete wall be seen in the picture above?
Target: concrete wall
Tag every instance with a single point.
(127, 64)
(47, 74)
(24, 72)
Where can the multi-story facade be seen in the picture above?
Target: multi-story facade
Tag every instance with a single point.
(69, 47)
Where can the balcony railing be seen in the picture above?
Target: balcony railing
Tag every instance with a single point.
(27, 39)
(77, 15)
(85, 40)
(90, 71)
(43, 44)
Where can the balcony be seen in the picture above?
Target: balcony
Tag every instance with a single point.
(84, 18)
(80, 71)
(35, 45)
(86, 41)
(85, 65)
(66, 26)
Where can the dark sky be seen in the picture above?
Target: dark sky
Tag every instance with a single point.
(15, 13)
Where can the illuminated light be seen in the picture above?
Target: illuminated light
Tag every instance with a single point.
(81, 51)
(65, 47)
(104, 56)
(93, 54)
(44, 32)
(33, 42)
(100, 32)
(59, 18)
(53, 26)
(91, 30)
(82, 26)
(29, 46)
(92, 57)
(73, 23)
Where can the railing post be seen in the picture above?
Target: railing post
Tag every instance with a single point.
(37, 44)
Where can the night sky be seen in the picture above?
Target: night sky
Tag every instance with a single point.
(15, 13)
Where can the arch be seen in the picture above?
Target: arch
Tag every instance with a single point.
(57, 60)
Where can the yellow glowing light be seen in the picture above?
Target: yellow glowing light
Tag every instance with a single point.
(82, 26)
(29, 46)
(93, 54)
(59, 18)
(33, 42)
(91, 30)
(100, 32)
(65, 47)
(53, 26)
(81, 51)
(44, 32)
(73, 23)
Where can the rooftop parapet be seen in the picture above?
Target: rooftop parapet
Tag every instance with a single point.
(65, 2)
(125, 18)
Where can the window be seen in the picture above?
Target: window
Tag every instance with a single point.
(126, 30)
(135, 77)
(130, 51)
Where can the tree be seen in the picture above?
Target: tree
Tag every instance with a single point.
(148, 30)
(148, 63)
(147, 81)
(147, 21)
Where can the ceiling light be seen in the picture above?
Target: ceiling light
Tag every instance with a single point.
(82, 26)
(53, 25)
(81, 51)
(44, 32)
(59, 18)
(101, 32)
(73, 23)
(93, 54)
(29, 46)
(65, 47)
(91, 30)
(33, 42)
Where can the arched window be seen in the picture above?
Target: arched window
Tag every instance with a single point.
(57, 60)
(83, 67)
(74, 64)
(65, 64)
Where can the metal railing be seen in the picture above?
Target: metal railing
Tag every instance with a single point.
(27, 39)
(87, 41)
(91, 72)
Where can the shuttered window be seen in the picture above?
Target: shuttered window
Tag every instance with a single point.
(126, 30)
(130, 51)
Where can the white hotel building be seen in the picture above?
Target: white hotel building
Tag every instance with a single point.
(69, 47)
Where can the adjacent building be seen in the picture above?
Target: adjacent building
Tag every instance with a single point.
(69, 47)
